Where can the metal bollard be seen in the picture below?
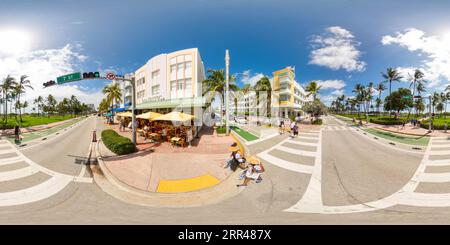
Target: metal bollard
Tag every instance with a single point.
(94, 136)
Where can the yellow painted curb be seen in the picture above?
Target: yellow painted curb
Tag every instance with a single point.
(186, 185)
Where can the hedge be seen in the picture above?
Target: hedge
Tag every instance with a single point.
(317, 122)
(118, 144)
(434, 126)
(386, 121)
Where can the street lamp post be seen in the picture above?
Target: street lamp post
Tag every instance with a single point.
(227, 90)
(429, 114)
(133, 109)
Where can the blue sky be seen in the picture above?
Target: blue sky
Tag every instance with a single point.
(338, 42)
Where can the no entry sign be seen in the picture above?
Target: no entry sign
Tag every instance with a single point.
(110, 76)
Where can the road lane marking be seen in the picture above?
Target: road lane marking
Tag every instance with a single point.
(301, 143)
(296, 151)
(35, 193)
(444, 162)
(10, 160)
(296, 167)
(18, 173)
(434, 177)
(311, 201)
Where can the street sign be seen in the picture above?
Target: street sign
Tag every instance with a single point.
(68, 78)
(417, 97)
(110, 76)
(407, 97)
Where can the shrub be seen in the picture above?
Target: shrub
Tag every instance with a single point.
(317, 122)
(435, 125)
(118, 144)
(386, 121)
(221, 130)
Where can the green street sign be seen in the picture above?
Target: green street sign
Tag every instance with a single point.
(406, 97)
(69, 78)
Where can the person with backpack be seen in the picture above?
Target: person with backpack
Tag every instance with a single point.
(253, 172)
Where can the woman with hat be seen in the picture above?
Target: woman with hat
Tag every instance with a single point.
(253, 171)
(236, 159)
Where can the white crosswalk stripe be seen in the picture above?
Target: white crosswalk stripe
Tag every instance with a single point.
(299, 141)
(40, 191)
(335, 128)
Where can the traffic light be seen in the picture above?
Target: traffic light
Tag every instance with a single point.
(49, 83)
(91, 75)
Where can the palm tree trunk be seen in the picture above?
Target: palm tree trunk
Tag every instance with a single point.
(390, 99)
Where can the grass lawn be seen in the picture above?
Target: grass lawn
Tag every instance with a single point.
(244, 134)
(42, 133)
(28, 121)
(411, 140)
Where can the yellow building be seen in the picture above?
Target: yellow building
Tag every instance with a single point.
(291, 95)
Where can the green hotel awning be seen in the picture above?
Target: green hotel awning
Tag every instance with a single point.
(182, 102)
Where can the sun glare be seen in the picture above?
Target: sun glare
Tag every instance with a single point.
(13, 42)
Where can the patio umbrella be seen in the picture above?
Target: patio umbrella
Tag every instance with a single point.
(175, 116)
(124, 114)
(149, 115)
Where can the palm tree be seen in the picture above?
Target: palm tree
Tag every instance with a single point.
(73, 104)
(7, 90)
(264, 85)
(436, 99)
(216, 83)
(358, 90)
(313, 89)
(113, 94)
(51, 104)
(39, 102)
(20, 89)
(445, 97)
(391, 75)
(380, 88)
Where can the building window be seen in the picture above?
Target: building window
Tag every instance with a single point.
(180, 84)
(187, 65)
(155, 74)
(155, 90)
(173, 68)
(180, 66)
(173, 85)
(188, 84)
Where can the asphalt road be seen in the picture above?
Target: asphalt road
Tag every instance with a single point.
(354, 170)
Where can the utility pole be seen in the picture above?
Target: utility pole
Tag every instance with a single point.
(227, 91)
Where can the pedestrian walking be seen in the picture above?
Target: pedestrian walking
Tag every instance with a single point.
(292, 128)
(281, 129)
(295, 130)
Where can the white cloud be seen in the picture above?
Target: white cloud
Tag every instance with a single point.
(336, 49)
(434, 49)
(44, 65)
(328, 84)
(247, 78)
(338, 92)
(327, 99)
